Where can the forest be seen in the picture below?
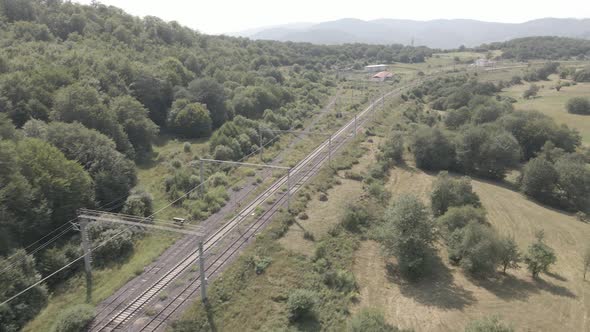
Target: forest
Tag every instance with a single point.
(550, 48)
(85, 92)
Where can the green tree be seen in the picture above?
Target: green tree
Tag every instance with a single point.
(509, 253)
(487, 151)
(476, 248)
(458, 217)
(573, 182)
(578, 105)
(62, 185)
(539, 256)
(7, 130)
(533, 129)
(113, 174)
(210, 93)
(448, 191)
(139, 203)
(135, 120)
(154, 92)
(15, 314)
(84, 104)
(539, 179)
(531, 91)
(432, 149)
(408, 235)
(189, 120)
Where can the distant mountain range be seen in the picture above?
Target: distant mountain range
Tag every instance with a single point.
(435, 33)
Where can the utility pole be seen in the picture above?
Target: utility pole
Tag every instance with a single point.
(202, 270)
(330, 151)
(289, 190)
(261, 144)
(202, 176)
(85, 216)
(87, 257)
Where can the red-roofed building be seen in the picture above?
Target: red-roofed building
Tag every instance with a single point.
(382, 76)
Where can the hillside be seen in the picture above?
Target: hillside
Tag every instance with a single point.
(435, 33)
(92, 99)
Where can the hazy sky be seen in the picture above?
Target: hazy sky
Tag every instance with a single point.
(222, 16)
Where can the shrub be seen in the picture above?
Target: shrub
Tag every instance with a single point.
(488, 324)
(448, 192)
(408, 234)
(301, 303)
(188, 119)
(355, 217)
(74, 319)
(432, 149)
(139, 203)
(578, 105)
(260, 263)
(459, 216)
(369, 320)
(186, 147)
(539, 256)
(531, 91)
(341, 280)
(353, 176)
(476, 247)
(539, 179)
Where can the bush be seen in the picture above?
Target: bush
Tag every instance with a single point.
(74, 319)
(476, 247)
(539, 256)
(487, 151)
(356, 216)
(539, 179)
(578, 105)
(488, 324)
(139, 203)
(301, 303)
(459, 217)
(448, 192)
(188, 119)
(432, 149)
(186, 147)
(260, 263)
(341, 280)
(408, 235)
(531, 91)
(369, 320)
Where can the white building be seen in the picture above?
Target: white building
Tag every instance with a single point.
(484, 63)
(375, 68)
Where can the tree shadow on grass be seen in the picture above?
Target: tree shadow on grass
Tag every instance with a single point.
(508, 287)
(308, 323)
(437, 289)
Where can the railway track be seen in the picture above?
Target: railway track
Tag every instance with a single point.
(228, 240)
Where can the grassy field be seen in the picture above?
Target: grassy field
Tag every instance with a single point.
(449, 299)
(552, 103)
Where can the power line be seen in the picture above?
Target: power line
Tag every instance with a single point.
(61, 269)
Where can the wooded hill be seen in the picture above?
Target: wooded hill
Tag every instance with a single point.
(86, 90)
